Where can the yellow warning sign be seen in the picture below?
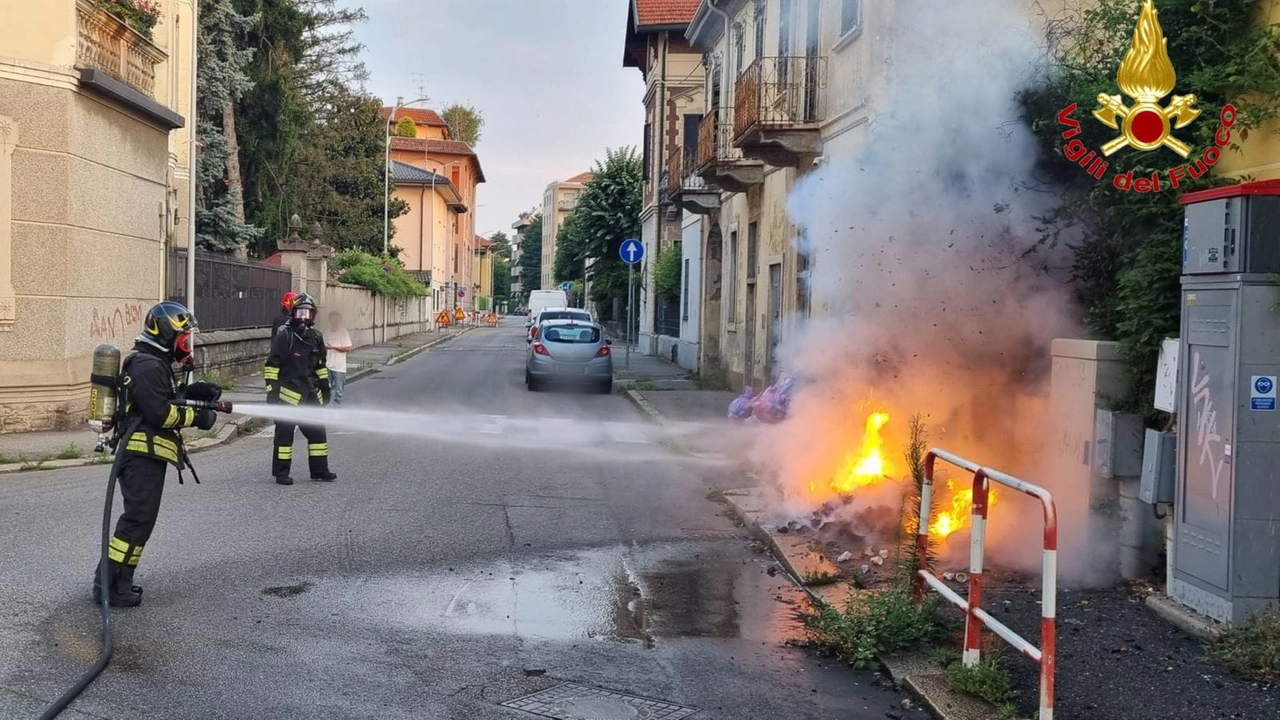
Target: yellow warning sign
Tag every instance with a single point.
(443, 318)
(493, 318)
(459, 315)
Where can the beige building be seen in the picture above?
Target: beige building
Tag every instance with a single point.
(560, 198)
(426, 233)
(773, 105)
(674, 103)
(433, 149)
(93, 159)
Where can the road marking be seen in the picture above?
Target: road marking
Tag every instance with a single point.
(496, 425)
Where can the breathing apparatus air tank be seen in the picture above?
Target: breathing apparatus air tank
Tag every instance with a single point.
(102, 386)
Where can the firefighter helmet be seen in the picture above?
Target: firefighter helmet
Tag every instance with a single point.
(304, 310)
(169, 326)
(287, 300)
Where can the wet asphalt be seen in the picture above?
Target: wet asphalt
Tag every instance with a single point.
(433, 580)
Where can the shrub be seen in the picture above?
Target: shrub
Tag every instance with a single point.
(1252, 649)
(385, 276)
(875, 622)
(406, 127)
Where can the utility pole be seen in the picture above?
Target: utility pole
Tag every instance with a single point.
(192, 167)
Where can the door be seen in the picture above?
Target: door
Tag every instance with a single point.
(749, 338)
(1207, 434)
(775, 318)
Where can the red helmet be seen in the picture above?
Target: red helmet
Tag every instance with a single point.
(287, 300)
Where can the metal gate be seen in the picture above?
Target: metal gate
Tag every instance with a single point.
(230, 294)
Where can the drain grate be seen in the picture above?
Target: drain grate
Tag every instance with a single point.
(571, 701)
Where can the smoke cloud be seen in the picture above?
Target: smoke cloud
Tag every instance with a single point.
(929, 294)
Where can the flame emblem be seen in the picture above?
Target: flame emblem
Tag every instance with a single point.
(1146, 76)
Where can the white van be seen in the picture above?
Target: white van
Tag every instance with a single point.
(541, 299)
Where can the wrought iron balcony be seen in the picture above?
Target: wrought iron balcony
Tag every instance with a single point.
(105, 43)
(778, 106)
(686, 188)
(719, 162)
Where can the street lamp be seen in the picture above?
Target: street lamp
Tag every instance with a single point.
(386, 173)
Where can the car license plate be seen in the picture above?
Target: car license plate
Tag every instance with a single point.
(572, 369)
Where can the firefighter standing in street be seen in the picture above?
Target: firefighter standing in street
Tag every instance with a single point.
(150, 424)
(295, 374)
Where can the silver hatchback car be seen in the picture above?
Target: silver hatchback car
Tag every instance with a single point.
(570, 352)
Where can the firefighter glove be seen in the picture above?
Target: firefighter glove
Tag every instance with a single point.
(204, 392)
(273, 393)
(205, 419)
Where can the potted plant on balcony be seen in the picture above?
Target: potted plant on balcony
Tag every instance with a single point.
(141, 15)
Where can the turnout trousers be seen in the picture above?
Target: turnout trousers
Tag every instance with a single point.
(141, 483)
(317, 446)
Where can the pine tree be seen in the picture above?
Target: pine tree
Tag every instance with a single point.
(530, 260)
(222, 79)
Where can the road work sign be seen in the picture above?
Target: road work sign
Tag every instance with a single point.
(459, 315)
(443, 318)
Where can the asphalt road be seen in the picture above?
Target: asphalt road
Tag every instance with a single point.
(435, 579)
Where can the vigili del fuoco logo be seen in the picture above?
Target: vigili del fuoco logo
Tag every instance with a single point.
(1147, 77)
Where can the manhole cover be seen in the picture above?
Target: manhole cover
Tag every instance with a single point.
(571, 701)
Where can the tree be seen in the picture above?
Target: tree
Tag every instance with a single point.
(221, 81)
(343, 168)
(406, 127)
(608, 213)
(531, 255)
(501, 279)
(464, 123)
(501, 244)
(666, 273)
(569, 251)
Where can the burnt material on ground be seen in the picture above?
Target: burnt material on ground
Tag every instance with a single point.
(1115, 655)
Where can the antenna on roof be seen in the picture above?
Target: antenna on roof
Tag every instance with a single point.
(421, 80)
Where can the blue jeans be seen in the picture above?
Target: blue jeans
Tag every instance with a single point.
(338, 381)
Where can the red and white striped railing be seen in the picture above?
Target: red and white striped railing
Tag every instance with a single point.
(975, 616)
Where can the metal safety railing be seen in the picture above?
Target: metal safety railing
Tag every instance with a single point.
(975, 616)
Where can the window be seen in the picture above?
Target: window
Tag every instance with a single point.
(739, 49)
(850, 16)
(731, 267)
(786, 15)
(691, 123)
(455, 175)
(647, 154)
(684, 292)
(582, 334)
(753, 249)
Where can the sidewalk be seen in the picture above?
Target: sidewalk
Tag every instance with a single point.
(648, 372)
(68, 448)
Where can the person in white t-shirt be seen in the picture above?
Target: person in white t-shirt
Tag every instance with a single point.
(338, 342)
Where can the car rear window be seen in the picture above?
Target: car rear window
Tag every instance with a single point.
(566, 315)
(572, 334)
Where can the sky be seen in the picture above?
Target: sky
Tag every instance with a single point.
(546, 75)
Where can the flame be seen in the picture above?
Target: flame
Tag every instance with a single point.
(1147, 73)
(869, 466)
(951, 519)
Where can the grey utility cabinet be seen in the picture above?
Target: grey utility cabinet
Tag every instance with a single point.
(1227, 499)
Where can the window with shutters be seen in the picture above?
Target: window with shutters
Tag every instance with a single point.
(690, 129)
(684, 292)
(647, 157)
(850, 16)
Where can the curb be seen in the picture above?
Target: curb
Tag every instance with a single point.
(1183, 619)
(645, 406)
(916, 672)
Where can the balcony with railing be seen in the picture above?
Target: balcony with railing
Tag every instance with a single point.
(778, 106)
(117, 61)
(686, 188)
(719, 162)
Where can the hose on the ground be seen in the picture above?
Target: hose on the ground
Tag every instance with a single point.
(104, 655)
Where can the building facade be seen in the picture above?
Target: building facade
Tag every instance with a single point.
(655, 44)
(559, 199)
(433, 149)
(93, 176)
(425, 233)
(517, 240)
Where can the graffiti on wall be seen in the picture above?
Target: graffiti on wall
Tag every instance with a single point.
(1208, 442)
(117, 322)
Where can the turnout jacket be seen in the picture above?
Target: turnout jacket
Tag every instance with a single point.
(147, 388)
(295, 371)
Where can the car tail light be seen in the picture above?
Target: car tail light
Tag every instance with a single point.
(603, 351)
(541, 349)
(533, 331)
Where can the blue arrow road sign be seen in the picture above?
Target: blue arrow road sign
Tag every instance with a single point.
(632, 251)
(566, 286)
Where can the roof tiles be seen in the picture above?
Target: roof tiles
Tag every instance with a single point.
(665, 12)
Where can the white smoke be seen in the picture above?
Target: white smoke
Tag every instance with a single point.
(929, 294)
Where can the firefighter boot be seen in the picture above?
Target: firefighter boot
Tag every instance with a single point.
(318, 461)
(121, 591)
(282, 459)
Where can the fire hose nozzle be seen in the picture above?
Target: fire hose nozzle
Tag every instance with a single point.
(221, 406)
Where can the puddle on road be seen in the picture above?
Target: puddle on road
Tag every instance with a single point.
(621, 594)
